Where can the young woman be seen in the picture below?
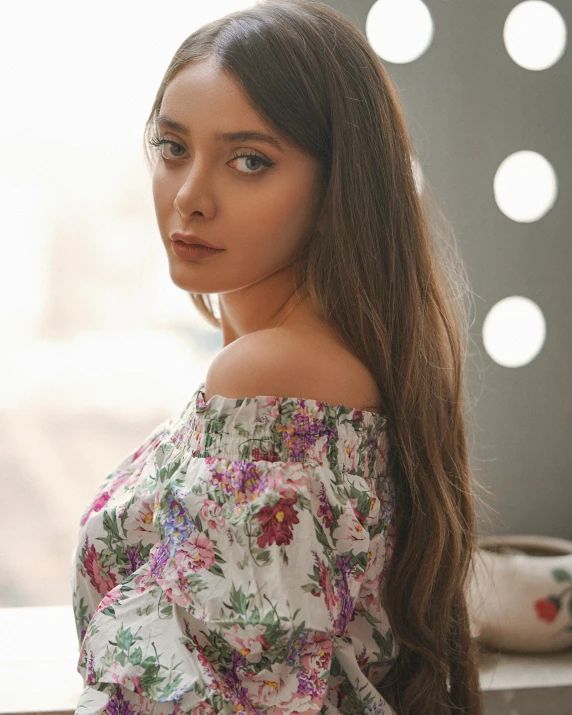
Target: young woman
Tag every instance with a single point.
(298, 539)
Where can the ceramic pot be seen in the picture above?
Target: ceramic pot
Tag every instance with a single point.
(519, 593)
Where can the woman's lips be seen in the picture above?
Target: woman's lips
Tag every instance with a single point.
(194, 251)
(191, 240)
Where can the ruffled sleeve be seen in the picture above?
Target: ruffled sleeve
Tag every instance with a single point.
(128, 467)
(263, 542)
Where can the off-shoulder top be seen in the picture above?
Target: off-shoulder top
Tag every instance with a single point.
(234, 563)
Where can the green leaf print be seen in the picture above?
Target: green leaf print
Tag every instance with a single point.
(80, 611)
(363, 501)
(254, 617)
(216, 569)
(321, 536)
(165, 607)
(262, 555)
(151, 678)
(171, 687)
(125, 639)
(238, 601)
(136, 657)
(144, 611)
(127, 507)
(244, 563)
(197, 519)
(561, 575)
(358, 562)
(337, 512)
(148, 662)
(303, 502)
(110, 526)
(380, 526)
(108, 659)
(166, 472)
(384, 643)
(195, 582)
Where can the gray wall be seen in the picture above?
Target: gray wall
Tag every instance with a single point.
(469, 105)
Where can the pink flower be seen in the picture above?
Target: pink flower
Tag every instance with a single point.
(350, 535)
(249, 641)
(326, 586)
(281, 478)
(101, 581)
(101, 501)
(96, 506)
(272, 407)
(113, 596)
(174, 589)
(318, 653)
(195, 554)
(274, 686)
(128, 675)
(350, 454)
(211, 515)
(144, 517)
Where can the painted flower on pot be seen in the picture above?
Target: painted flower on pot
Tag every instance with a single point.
(547, 609)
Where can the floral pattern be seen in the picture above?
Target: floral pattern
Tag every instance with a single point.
(234, 563)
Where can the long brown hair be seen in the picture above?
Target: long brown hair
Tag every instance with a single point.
(395, 290)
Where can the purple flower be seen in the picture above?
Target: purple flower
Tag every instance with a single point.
(303, 432)
(295, 649)
(325, 511)
(90, 669)
(159, 560)
(135, 560)
(347, 602)
(232, 682)
(175, 522)
(308, 685)
(247, 479)
(118, 706)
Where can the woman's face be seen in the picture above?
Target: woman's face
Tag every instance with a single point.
(257, 208)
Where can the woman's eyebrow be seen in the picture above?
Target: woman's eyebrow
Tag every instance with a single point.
(243, 135)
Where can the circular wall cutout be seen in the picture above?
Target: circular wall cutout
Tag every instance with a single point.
(399, 31)
(525, 186)
(535, 35)
(514, 331)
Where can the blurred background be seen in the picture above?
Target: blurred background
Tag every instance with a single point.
(98, 344)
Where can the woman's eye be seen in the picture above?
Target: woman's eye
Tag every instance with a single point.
(156, 142)
(257, 159)
(175, 149)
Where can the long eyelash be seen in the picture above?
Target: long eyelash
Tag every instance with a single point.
(156, 142)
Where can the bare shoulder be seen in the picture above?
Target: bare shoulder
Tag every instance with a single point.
(290, 363)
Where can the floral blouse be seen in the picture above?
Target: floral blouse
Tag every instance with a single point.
(233, 563)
